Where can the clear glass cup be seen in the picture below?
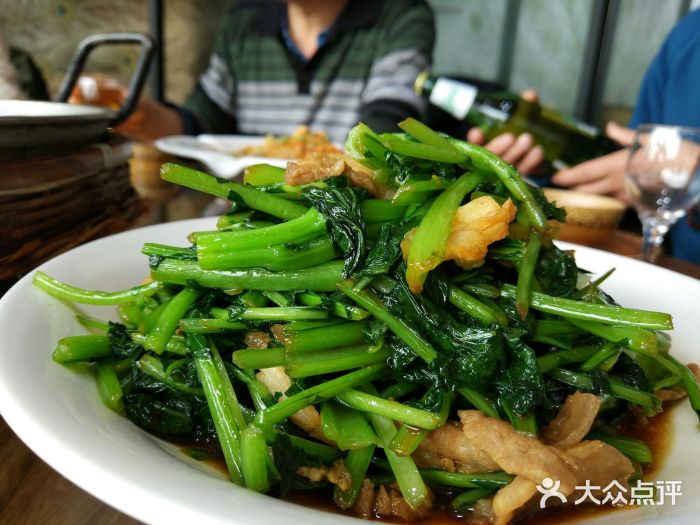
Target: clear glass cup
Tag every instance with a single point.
(662, 180)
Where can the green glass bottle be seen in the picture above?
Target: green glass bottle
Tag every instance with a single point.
(565, 141)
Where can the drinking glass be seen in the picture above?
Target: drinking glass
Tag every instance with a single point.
(662, 179)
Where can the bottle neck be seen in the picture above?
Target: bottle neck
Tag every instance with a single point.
(462, 100)
(457, 98)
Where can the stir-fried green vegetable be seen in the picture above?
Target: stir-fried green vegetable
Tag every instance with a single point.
(322, 304)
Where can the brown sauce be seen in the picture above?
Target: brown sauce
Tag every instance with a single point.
(657, 434)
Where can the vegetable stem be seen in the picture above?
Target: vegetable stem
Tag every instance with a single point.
(526, 270)
(603, 313)
(617, 388)
(598, 360)
(479, 401)
(370, 302)
(109, 388)
(282, 410)
(690, 382)
(257, 358)
(335, 336)
(423, 151)
(484, 160)
(407, 476)
(476, 308)
(469, 497)
(321, 278)
(335, 360)
(357, 462)
(304, 228)
(391, 409)
(66, 292)
(278, 257)
(160, 334)
(551, 360)
(283, 313)
(254, 459)
(408, 438)
(82, 348)
(491, 480)
(258, 200)
(218, 403)
(209, 326)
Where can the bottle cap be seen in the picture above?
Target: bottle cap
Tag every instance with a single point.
(420, 81)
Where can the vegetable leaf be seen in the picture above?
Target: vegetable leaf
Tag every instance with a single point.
(556, 272)
(387, 250)
(170, 416)
(521, 384)
(341, 205)
(122, 345)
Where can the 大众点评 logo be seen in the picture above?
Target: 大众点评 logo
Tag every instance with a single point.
(615, 493)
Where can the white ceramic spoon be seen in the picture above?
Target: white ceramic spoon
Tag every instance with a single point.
(220, 163)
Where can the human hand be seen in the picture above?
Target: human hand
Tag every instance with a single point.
(604, 175)
(151, 120)
(520, 151)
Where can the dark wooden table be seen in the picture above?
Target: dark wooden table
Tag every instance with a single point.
(629, 244)
(32, 493)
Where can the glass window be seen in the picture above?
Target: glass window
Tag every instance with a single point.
(642, 26)
(549, 50)
(468, 37)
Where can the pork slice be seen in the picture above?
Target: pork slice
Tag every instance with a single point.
(475, 226)
(599, 464)
(387, 502)
(481, 513)
(257, 339)
(314, 168)
(593, 462)
(511, 498)
(667, 395)
(364, 503)
(516, 453)
(573, 421)
(390, 503)
(337, 474)
(320, 166)
(448, 448)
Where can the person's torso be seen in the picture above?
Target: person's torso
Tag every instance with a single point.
(680, 106)
(676, 84)
(275, 92)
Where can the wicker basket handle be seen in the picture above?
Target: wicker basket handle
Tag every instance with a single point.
(138, 78)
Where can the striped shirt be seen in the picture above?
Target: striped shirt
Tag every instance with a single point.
(364, 70)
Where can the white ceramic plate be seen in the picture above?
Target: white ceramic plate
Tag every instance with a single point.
(59, 415)
(216, 152)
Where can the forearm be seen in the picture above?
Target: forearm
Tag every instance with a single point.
(152, 120)
(604, 175)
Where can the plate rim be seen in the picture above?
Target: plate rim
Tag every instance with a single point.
(77, 113)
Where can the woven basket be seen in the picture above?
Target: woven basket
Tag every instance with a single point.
(51, 204)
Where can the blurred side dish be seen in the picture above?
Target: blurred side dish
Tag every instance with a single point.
(300, 144)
